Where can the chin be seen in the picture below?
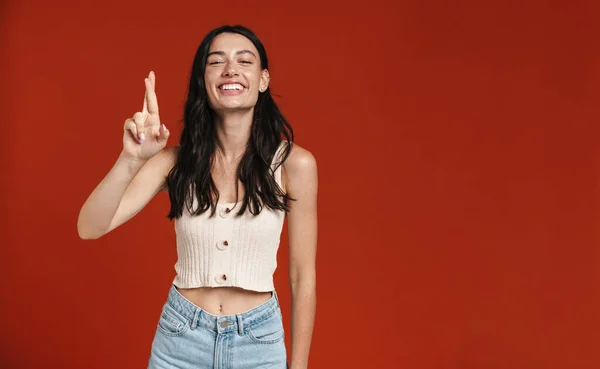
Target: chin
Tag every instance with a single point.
(231, 108)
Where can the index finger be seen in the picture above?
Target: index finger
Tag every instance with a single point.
(145, 106)
(150, 102)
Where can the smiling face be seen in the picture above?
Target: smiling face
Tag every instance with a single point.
(233, 74)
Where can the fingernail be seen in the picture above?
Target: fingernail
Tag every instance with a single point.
(164, 127)
(142, 137)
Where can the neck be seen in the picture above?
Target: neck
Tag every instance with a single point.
(233, 132)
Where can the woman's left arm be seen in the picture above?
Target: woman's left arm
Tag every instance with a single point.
(301, 185)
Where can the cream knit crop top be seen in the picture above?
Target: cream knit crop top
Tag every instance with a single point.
(226, 250)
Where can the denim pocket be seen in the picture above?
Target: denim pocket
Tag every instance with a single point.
(268, 331)
(171, 322)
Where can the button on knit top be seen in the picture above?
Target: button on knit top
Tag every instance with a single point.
(226, 250)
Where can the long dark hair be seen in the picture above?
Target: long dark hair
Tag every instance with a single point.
(191, 173)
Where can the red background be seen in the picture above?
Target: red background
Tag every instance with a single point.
(457, 146)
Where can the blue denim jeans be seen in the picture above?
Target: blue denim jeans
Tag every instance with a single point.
(188, 337)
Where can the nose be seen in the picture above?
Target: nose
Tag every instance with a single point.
(230, 70)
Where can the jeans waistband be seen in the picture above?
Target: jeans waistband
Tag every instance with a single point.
(198, 317)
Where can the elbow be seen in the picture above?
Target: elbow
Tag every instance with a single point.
(86, 236)
(85, 233)
(303, 280)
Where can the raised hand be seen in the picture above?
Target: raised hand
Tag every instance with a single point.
(143, 135)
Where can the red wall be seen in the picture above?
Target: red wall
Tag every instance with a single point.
(457, 145)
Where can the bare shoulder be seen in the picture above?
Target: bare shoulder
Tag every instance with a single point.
(164, 160)
(300, 159)
(169, 154)
(299, 168)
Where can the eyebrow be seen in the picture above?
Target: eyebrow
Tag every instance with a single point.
(239, 52)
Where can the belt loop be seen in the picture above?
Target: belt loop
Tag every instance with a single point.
(195, 320)
(240, 324)
(276, 298)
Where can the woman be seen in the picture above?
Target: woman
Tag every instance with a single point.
(231, 182)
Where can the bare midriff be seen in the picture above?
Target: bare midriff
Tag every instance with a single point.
(224, 300)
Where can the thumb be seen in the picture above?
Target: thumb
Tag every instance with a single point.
(163, 134)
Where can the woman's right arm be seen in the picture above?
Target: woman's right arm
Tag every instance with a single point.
(124, 192)
(137, 176)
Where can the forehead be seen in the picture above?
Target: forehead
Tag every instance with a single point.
(232, 42)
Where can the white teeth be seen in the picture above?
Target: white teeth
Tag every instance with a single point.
(233, 86)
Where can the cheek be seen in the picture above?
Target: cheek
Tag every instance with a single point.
(208, 81)
(254, 84)
(209, 88)
(212, 75)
